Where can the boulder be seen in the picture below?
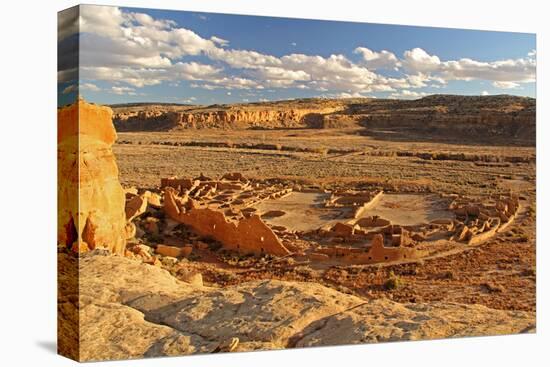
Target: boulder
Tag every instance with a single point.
(191, 277)
(154, 200)
(171, 251)
(136, 206)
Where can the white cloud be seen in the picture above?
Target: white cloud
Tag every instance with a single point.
(67, 75)
(148, 21)
(484, 93)
(67, 23)
(140, 77)
(219, 41)
(378, 60)
(195, 71)
(407, 94)
(123, 90)
(89, 86)
(228, 83)
(270, 72)
(69, 89)
(82, 86)
(418, 60)
(190, 100)
(506, 85)
(136, 77)
(103, 20)
(345, 95)
(518, 70)
(242, 59)
(335, 72)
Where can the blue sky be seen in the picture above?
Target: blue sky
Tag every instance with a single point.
(132, 55)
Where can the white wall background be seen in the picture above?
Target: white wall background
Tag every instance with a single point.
(28, 182)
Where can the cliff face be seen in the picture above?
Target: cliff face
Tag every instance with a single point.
(467, 116)
(233, 118)
(91, 199)
(461, 116)
(515, 125)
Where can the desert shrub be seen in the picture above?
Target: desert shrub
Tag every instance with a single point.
(448, 274)
(492, 287)
(320, 150)
(305, 271)
(393, 282)
(226, 277)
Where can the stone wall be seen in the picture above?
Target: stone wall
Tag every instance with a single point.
(246, 235)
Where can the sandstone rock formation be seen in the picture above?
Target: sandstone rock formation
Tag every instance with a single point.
(234, 117)
(148, 313)
(91, 199)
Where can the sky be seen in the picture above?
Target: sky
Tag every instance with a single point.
(122, 55)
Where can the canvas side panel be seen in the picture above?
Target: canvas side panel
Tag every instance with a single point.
(67, 183)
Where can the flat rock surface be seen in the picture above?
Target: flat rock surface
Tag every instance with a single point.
(133, 310)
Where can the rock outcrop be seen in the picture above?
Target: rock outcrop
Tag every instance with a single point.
(91, 200)
(232, 118)
(148, 313)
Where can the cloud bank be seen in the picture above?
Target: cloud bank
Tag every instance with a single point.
(134, 50)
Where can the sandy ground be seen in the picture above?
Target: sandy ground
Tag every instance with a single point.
(410, 209)
(303, 211)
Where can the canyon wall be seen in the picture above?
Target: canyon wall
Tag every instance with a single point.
(232, 118)
(520, 124)
(468, 117)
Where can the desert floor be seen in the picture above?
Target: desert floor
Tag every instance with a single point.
(499, 274)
